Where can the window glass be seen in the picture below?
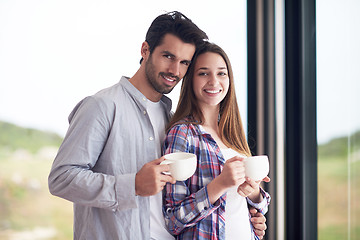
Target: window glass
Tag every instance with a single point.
(338, 88)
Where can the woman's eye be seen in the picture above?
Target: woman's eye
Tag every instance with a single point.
(203, 74)
(222, 73)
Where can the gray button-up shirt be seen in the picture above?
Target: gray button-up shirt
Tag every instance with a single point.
(109, 139)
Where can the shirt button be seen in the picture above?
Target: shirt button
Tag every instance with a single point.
(151, 138)
(144, 112)
(144, 99)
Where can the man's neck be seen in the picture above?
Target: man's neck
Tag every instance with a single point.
(139, 81)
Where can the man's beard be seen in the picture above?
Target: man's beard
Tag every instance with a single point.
(150, 75)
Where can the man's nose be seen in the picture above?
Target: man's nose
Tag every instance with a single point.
(174, 68)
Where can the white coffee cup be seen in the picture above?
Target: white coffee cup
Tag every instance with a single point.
(182, 165)
(256, 167)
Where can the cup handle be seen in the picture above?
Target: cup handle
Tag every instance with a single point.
(166, 161)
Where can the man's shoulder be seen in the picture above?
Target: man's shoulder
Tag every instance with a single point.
(104, 99)
(113, 92)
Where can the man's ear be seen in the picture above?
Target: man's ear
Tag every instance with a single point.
(145, 50)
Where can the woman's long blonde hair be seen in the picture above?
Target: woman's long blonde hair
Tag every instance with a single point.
(230, 124)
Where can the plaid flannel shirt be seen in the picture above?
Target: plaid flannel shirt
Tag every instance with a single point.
(187, 209)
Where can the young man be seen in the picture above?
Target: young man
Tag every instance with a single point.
(106, 164)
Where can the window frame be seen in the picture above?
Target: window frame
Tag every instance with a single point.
(298, 199)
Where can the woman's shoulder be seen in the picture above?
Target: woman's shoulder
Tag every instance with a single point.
(186, 126)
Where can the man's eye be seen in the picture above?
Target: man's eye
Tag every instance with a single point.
(168, 56)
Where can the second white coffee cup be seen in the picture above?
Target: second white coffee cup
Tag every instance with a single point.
(256, 167)
(182, 165)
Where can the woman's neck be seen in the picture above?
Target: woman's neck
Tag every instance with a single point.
(211, 124)
(210, 117)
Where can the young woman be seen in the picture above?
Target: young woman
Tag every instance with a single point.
(213, 203)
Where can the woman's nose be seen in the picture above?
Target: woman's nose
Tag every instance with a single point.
(212, 80)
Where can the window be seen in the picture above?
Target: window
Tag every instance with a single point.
(338, 123)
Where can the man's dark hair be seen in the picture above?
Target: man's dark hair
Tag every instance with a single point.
(177, 24)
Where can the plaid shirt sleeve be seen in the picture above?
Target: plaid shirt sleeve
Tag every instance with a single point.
(262, 207)
(183, 209)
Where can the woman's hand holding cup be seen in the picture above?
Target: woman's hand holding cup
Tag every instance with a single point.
(257, 168)
(233, 173)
